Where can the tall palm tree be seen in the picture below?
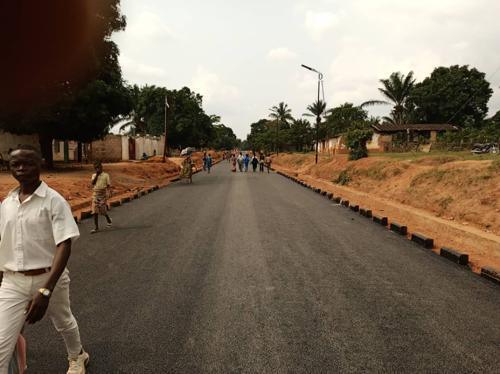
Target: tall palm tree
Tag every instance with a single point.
(281, 114)
(397, 89)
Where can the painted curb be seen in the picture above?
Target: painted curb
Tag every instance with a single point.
(380, 220)
(422, 240)
(330, 196)
(399, 229)
(365, 212)
(454, 255)
(115, 203)
(345, 203)
(491, 274)
(337, 199)
(354, 208)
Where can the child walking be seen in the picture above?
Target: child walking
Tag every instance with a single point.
(102, 188)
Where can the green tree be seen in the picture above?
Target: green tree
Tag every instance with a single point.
(341, 118)
(301, 135)
(397, 89)
(456, 94)
(356, 139)
(77, 102)
(223, 137)
(262, 135)
(282, 116)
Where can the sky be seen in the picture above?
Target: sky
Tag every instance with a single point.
(245, 56)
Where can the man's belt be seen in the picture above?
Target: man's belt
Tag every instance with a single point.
(34, 272)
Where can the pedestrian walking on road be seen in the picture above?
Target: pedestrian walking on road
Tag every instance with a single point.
(187, 169)
(268, 163)
(101, 191)
(204, 161)
(240, 162)
(209, 163)
(233, 163)
(255, 162)
(37, 230)
(246, 161)
(261, 162)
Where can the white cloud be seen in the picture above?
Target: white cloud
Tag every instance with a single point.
(212, 87)
(319, 23)
(148, 26)
(140, 72)
(280, 54)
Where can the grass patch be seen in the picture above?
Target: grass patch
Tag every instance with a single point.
(431, 175)
(343, 179)
(443, 203)
(441, 156)
(495, 166)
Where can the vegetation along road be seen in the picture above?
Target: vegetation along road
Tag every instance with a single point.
(249, 273)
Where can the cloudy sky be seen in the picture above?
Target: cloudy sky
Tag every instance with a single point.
(245, 56)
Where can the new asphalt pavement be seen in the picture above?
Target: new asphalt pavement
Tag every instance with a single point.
(250, 273)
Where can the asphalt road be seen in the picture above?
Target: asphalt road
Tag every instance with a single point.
(250, 273)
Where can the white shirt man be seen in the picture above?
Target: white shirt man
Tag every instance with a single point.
(36, 231)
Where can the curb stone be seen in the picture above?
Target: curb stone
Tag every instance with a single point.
(491, 274)
(454, 255)
(399, 229)
(380, 220)
(422, 240)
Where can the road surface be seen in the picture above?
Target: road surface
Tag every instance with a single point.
(250, 273)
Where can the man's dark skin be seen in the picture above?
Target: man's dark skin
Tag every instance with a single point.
(25, 166)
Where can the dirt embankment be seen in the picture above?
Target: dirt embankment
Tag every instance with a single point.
(73, 181)
(455, 202)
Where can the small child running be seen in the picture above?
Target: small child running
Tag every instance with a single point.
(102, 188)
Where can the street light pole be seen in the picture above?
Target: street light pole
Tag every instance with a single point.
(318, 117)
(165, 130)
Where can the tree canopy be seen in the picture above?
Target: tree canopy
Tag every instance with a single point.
(81, 92)
(456, 94)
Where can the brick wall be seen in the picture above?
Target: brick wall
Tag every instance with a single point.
(8, 141)
(108, 150)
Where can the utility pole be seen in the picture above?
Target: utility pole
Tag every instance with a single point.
(318, 117)
(165, 130)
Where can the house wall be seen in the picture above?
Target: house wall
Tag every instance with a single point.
(149, 144)
(11, 141)
(58, 150)
(125, 155)
(108, 149)
(379, 142)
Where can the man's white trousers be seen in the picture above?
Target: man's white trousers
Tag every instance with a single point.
(16, 292)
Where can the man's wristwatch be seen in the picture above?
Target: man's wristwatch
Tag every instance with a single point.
(45, 292)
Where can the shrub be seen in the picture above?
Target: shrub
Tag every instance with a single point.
(356, 140)
(343, 178)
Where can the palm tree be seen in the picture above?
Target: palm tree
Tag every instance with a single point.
(281, 114)
(397, 89)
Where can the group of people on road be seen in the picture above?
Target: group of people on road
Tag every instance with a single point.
(243, 161)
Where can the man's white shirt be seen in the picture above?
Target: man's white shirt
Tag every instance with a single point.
(30, 231)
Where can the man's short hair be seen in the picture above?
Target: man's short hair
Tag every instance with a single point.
(27, 147)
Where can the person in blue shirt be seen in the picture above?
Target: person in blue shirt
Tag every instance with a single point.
(208, 163)
(246, 161)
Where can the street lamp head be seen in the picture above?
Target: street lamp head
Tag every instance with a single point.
(310, 68)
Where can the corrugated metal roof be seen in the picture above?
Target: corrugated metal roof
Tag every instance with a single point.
(389, 127)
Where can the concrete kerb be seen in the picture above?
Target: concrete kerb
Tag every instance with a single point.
(491, 274)
(354, 208)
(422, 240)
(399, 229)
(454, 255)
(380, 220)
(344, 203)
